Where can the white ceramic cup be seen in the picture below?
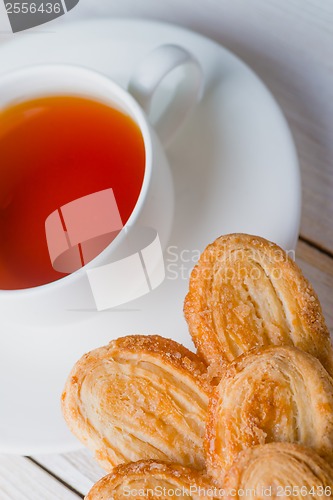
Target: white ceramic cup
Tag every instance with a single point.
(62, 301)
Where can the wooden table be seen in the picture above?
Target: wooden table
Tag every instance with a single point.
(289, 43)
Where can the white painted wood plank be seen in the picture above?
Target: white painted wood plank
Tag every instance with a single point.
(20, 479)
(318, 268)
(78, 469)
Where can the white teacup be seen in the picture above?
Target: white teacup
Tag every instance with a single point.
(62, 301)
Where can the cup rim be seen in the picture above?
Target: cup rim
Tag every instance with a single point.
(142, 122)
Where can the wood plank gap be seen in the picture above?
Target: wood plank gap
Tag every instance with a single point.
(316, 246)
(68, 486)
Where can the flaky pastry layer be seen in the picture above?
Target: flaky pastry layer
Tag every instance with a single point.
(279, 470)
(246, 292)
(140, 397)
(274, 394)
(149, 479)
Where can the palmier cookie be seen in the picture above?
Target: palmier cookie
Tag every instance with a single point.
(246, 292)
(151, 479)
(277, 394)
(139, 397)
(278, 470)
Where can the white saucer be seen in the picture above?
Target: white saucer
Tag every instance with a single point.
(234, 169)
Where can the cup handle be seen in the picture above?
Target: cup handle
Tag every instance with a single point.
(150, 73)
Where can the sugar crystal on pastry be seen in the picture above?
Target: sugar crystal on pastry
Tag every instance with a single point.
(274, 469)
(140, 397)
(245, 292)
(272, 394)
(148, 477)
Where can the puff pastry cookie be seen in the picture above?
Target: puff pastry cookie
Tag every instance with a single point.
(273, 470)
(246, 292)
(276, 394)
(151, 479)
(139, 397)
